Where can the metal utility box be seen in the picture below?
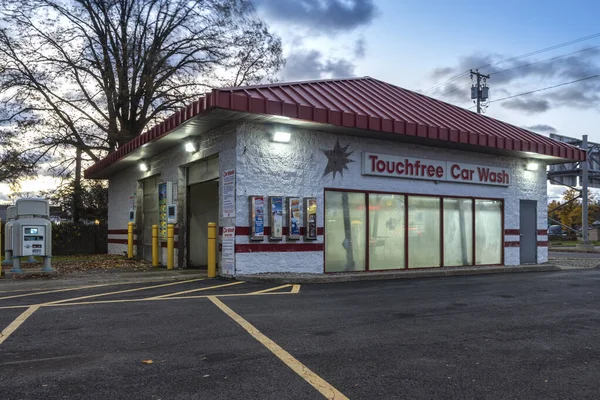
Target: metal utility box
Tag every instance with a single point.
(33, 207)
(32, 237)
(31, 233)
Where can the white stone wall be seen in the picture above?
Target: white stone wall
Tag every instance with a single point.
(296, 169)
(170, 167)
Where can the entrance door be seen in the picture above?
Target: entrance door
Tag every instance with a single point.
(203, 203)
(528, 229)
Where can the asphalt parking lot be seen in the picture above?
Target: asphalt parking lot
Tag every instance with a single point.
(509, 336)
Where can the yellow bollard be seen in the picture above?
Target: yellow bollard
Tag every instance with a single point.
(170, 247)
(212, 250)
(155, 245)
(130, 240)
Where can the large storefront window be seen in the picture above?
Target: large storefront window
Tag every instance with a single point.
(345, 231)
(488, 228)
(423, 232)
(401, 227)
(458, 232)
(386, 231)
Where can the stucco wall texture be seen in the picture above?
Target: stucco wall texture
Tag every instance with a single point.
(297, 169)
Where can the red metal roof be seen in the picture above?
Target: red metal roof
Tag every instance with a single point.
(362, 103)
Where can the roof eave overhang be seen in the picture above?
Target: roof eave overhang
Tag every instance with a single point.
(217, 117)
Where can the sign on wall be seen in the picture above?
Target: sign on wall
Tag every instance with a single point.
(434, 170)
(228, 250)
(229, 193)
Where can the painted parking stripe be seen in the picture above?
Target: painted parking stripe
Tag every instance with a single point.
(325, 388)
(123, 291)
(51, 291)
(17, 323)
(296, 289)
(85, 303)
(164, 296)
(271, 289)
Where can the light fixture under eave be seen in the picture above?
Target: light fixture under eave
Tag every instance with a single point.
(282, 137)
(532, 166)
(144, 166)
(191, 146)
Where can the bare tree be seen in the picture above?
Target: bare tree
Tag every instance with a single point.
(83, 77)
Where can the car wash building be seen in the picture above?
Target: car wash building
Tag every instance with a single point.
(330, 176)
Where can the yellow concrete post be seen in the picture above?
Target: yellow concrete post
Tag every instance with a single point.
(170, 247)
(155, 245)
(130, 240)
(212, 249)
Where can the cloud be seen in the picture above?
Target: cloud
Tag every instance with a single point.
(360, 49)
(326, 15)
(516, 76)
(310, 64)
(528, 106)
(541, 128)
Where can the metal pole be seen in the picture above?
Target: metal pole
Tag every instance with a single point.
(212, 250)
(170, 246)
(155, 245)
(584, 193)
(478, 94)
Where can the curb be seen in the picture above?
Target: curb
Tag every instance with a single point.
(570, 250)
(372, 276)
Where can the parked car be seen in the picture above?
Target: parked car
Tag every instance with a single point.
(556, 232)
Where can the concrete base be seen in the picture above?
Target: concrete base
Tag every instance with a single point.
(29, 272)
(585, 246)
(398, 274)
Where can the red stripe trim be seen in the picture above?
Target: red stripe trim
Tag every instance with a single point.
(542, 231)
(542, 243)
(245, 231)
(512, 244)
(512, 231)
(279, 247)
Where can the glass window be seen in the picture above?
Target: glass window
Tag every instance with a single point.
(458, 232)
(386, 231)
(345, 231)
(423, 232)
(488, 232)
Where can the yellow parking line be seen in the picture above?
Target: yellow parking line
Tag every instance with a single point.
(326, 389)
(17, 323)
(85, 303)
(123, 291)
(51, 291)
(296, 289)
(271, 289)
(192, 291)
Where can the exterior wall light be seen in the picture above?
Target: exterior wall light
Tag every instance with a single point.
(144, 166)
(532, 166)
(191, 146)
(282, 137)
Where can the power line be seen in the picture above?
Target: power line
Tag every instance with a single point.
(542, 89)
(547, 59)
(554, 47)
(557, 46)
(546, 88)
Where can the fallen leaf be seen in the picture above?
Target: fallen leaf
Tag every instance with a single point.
(147, 361)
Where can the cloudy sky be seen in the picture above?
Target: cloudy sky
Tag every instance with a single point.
(428, 45)
(422, 44)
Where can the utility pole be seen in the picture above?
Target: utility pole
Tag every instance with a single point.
(479, 92)
(584, 194)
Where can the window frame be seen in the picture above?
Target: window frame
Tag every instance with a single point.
(406, 225)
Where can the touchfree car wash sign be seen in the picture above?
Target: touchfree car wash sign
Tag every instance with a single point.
(434, 170)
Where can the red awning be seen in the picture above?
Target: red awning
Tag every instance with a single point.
(360, 103)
